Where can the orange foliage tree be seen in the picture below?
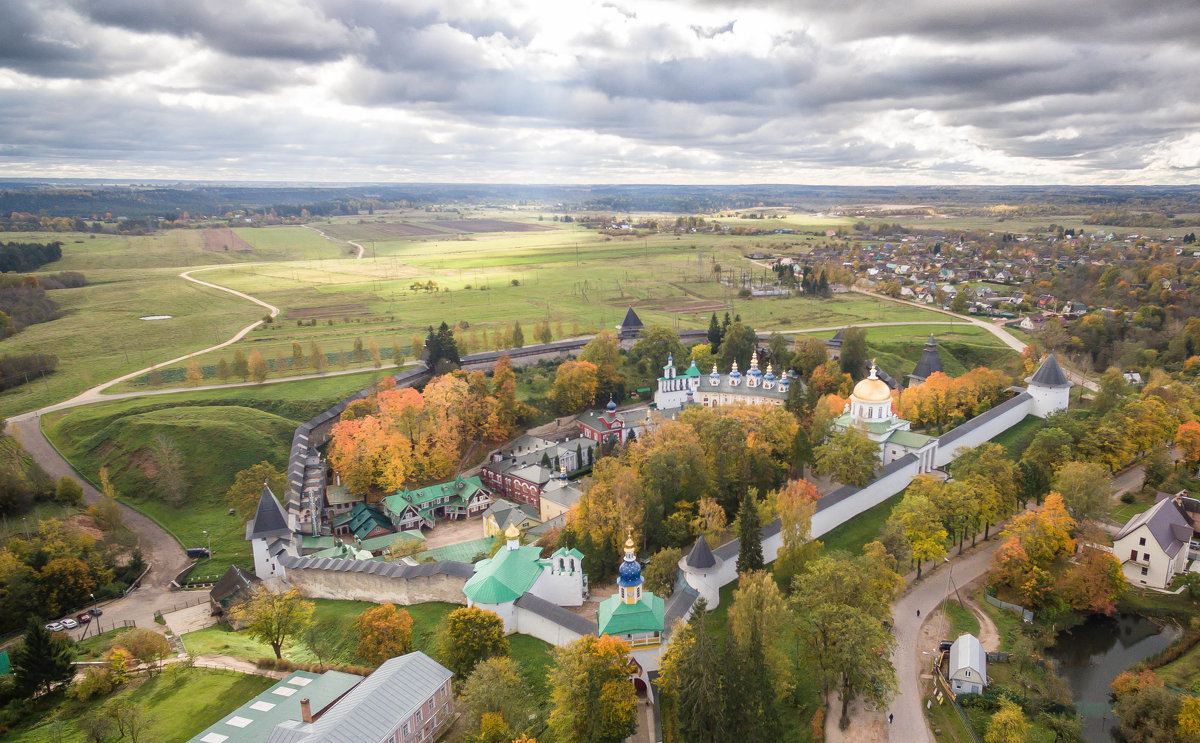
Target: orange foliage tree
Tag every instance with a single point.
(383, 632)
(941, 399)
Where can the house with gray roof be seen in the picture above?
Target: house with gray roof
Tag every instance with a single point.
(1153, 546)
(968, 666)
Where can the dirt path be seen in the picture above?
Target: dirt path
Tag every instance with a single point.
(866, 725)
(989, 635)
(327, 237)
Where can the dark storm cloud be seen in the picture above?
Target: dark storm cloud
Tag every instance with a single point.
(942, 86)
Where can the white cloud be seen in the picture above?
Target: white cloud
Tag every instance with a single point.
(866, 91)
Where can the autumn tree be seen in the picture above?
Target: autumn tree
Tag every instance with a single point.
(923, 528)
(147, 646)
(383, 632)
(672, 467)
(810, 353)
(258, 367)
(373, 350)
(1086, 489)
(224, 372)
(605, 352)
(653, 347)
(1008, 725)
(241, 367)
(710, 520)
(612, 503)
(661, 571)
(243, 495)
(590, 690)
(504, 386)
(171, 475)
(192, 372)
(316, 357)
(758, 617)
(495, 687)
(297, 356)
(839, 603)
(1189, 718)
(849, 457)
(1187, 438)
(1094, 583)
(274, 617)
(795, 505)
(574, 387)
(468, 636)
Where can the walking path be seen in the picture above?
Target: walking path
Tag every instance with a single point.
(331, 239)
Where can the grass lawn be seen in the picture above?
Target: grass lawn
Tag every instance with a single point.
(96, 646)
(252, 424)
(1016, 439)
(1008, 624)
(179, 706)
(947, 725)
(1122, 512)
(864, 528)
(962, 621)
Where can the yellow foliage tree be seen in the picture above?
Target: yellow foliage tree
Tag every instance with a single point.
(383, 632)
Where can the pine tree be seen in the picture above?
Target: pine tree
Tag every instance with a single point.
(433, 349)
(714, 333)
(41, 661)
(447, 346)
(750, 554)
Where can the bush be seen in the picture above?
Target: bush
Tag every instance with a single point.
(96, 682)
(818, 724)
(1128, 498)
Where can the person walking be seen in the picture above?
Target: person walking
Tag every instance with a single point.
(918, 613)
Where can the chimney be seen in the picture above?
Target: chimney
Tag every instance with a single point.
(306, 710)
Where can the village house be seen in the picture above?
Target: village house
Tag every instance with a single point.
(459, 498)
(523, 470)
(1153, 546)
(967, 673)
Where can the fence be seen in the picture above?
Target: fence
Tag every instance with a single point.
(1021, 611)
(202, 599)
(950, 697)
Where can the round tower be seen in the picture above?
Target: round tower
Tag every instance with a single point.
(629, 575)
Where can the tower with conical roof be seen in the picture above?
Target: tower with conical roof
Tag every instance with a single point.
(929, 363)
(631, 325)
(269, 535)
(1049, 388)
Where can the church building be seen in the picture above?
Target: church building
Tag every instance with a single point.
(754, 388)
(635, 616)
(870, 411)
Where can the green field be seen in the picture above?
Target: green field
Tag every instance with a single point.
(179, 706)
(218, 432)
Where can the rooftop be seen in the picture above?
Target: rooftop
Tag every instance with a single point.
(504, 577)
(254, 720)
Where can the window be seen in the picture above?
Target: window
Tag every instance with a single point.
(417, 717)
(1132, 554)
(1142, 542)
(1146, 556)
(1145, 571)
(429, 704)
(404, 729)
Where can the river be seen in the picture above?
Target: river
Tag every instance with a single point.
(1092, 654)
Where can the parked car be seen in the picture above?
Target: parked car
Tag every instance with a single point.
(69, 623)
(55, 627)
(95, 612)
(84, 618)
(944, 646)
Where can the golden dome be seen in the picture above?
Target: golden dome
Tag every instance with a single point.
(512, 532)
(872, 389)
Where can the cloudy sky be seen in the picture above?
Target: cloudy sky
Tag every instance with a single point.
(603, 91)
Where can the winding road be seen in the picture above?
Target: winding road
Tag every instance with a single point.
(334, 239)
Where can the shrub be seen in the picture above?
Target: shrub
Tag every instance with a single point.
(1128, 497)
(96, 682)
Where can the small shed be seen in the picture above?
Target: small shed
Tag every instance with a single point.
(968, 666)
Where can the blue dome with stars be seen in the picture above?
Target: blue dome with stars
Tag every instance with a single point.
(629, 574)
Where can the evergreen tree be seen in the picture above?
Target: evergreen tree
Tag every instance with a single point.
(447, 345)
(41, 661)
(725, 324)
(433, 348)
(750, 555)
(714, 333)
(823, 285)
(695, 682)
(518, 335)
(749, 696)
(854, 353)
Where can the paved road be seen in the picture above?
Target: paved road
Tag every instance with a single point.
(160, 549)
(910, 725)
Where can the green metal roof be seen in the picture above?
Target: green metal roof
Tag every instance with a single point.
(337, 495)
(387, 540)
(317, 543)
(343, 551)
(845, 420)
(254, 720)
(461, 552)
(909, 439)
(364, 519)
(5, 665)
(572, 552)
(504, 577)
(618, 618)
(462, 487)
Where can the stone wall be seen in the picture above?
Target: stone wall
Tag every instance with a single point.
(319, 579)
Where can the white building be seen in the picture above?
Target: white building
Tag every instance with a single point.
(754, 388)
(269, 536)
(1153, 546)
(870, 411)
(968, 666)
